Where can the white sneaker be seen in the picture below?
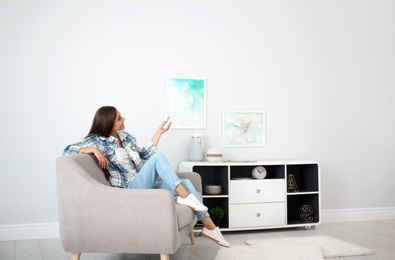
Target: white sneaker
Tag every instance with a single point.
(216, 236)
(192, 202)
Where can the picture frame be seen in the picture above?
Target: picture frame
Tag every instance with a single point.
(244, 128)
(186, 102)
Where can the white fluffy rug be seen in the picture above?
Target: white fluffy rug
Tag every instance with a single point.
(293, 248)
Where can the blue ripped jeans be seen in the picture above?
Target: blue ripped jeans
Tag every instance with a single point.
(159, 166)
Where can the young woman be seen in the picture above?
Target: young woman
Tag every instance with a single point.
(119, 153)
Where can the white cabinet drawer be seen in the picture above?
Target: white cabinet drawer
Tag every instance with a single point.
(257, 215)
(256, 191)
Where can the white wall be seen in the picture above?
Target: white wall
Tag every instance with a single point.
(322, 70)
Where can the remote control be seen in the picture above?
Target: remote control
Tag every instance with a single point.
(168, 122)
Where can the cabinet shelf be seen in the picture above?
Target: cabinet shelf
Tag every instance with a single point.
(245, 171)
(305, 176)
(303, 223)
(301, 193)
(214, 196)
(265, 203)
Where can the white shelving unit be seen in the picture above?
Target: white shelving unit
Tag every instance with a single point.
(289, 195)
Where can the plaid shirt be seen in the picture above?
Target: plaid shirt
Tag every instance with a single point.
(119, 176)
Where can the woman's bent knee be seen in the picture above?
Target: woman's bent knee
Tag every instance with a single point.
(158, 155)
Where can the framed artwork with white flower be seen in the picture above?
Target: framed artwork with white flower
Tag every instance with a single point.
(244, 129)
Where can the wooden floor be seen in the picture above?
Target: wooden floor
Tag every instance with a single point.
(376, 235)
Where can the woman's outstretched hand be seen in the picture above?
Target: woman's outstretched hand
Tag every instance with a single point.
(161, 130)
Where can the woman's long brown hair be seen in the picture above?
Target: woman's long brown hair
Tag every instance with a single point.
(103, 121)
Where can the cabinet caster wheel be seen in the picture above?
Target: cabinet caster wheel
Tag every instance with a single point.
(306, 227)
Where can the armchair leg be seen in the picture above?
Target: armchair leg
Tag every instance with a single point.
(164, 257)
(75, 256)
(192, 237)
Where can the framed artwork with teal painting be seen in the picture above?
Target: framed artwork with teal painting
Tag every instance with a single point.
(186, 102)
(244, 129)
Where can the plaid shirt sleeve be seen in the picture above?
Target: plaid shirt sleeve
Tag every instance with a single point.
(147, 151)
(75, 148)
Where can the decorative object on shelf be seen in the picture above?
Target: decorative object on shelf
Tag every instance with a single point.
(217, 214)
(306, 213)
(244, 129)
(212, 189)
(192, 112)
(196, 148)
(291, 184)
(259, 172)
(214, 155)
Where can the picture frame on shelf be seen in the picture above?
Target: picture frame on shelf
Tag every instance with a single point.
(186, 102)
(244, 128)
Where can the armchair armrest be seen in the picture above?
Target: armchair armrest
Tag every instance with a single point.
(194, 177)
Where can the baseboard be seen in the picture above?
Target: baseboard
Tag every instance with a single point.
(51, 230)
(361, 214)
(29, 231)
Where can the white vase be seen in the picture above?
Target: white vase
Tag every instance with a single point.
(196, 149)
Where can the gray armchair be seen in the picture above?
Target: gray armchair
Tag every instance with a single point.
(97, 218)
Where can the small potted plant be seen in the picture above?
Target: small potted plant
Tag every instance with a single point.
(217, 214)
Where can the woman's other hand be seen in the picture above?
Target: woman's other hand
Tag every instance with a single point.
(101, 158)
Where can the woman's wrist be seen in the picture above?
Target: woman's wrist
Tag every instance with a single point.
(86, 150)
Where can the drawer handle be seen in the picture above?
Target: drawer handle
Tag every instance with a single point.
(258, 191)
(258, 215)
